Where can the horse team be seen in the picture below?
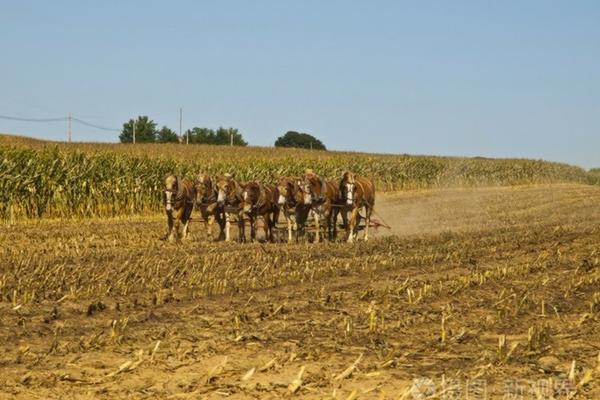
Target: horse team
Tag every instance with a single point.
(223, 200)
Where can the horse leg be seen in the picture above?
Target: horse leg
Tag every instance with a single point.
(328, 217)
(185, 232)
(210, 220)
(272, 224)
(267, 227)
(294, 218)
(344, 215)
(220, 217)
(242, 227)
(368, 211)
(350, 228)
(301, 217)
(274, 234)
(177, 227)
(317, 227)
(252, 228)
(346, 223)
(288, 219)
(352, 224)
(327, 224)
(178, 222)
(227, 226)
(256, 226)
(357, 222)
(298, 222)
(206, 221)
(334, 215)
(170, 225)
(186, 221)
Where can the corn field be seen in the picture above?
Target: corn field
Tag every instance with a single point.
(594, 176)
(41, 179)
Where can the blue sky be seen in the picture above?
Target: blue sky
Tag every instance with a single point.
(500, 79)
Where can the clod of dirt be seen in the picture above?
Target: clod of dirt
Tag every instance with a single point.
(95, 307)
(163, 296)
(588, 265)
(54, 315)
(548, 363)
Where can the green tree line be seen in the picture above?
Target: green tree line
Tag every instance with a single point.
(146, 131)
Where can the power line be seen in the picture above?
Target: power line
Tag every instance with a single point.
(94, 125)
(33, 119)
(68, 118)
(8, 117)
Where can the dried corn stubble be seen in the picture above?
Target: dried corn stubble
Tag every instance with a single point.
(352, 287)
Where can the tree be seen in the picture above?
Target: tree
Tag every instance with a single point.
(300, 140)
(200, 135)
(221, 136)
(145, 130)
(166, 135)
(229, 136)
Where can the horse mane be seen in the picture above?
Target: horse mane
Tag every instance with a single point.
(290, 181)
(313, 178)
(251, 185)
(347, 176)
(285, 180)
(236, 187)
(204, 178)
(260, 193)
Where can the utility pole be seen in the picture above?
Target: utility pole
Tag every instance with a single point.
(70, 118)
(231, 138)
(187, 135)
(134, 131)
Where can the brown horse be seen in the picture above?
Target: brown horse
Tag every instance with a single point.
(357, 193)
(229, 198)
(206, 202)
(260, 200)
(290, 201)
(322, 198)
(179, 203)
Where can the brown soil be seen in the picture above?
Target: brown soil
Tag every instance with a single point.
(494, 289)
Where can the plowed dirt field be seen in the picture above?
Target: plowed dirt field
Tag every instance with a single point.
(473, 294)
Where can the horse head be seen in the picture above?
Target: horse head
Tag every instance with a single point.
(306, 189)
(287, 190)
(313, 188)
(205, 192)
(251, 194)
(226, 187)
(171, 190)
(348, 187)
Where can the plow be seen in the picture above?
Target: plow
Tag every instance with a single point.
(280, 228)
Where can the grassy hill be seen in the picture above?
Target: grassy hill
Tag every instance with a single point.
(42, 178)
